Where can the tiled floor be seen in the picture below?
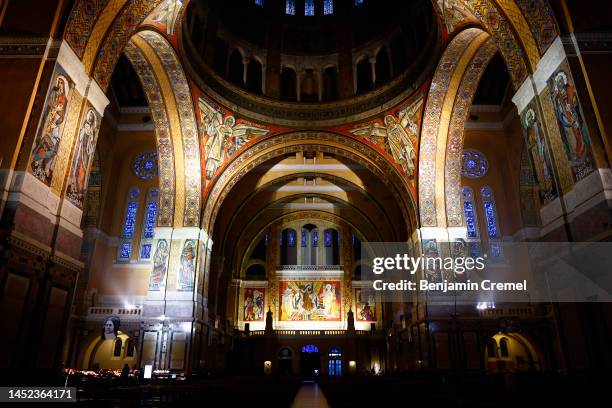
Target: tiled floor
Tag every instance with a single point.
(310, 396)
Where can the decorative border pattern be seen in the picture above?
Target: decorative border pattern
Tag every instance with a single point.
(162, 134)
(189, 130)
(541, 20)
(431, 122)
(117, 39)
(82, 20)
(501, 30)
(454, 141)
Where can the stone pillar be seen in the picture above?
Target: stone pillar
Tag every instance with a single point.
(175, 306)
(344, 45)
(245, 65)
(372, 61)
(44, 145)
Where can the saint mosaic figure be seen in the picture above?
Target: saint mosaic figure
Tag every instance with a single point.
(111, 328)
(539, 156)
(187, 266)
(160, 265)
(46, 144)
(573, 128)
(84, 152)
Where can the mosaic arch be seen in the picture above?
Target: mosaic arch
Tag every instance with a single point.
(98, 30)
(288, 143)
(169, 98)
(436, 122)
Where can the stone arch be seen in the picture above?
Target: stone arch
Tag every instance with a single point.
(323, 141)
(169, 97)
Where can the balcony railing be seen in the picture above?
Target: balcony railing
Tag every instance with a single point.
(133, 312)
(310, 332)
(309, 268)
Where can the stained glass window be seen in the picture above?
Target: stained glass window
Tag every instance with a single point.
(309, 8)
(488, 201)
(474, 164)
(129, 224)
(358, 2)
(328, 7)
(290, 7)
(315, 238)
(125, 250)
(266, 239)
(145, 251)
(310, 348)
(145, 165)
(470, 214)
(259, 3)
(130, 219)
(328, 238)
(304, 239)
(291, 238)
(471, 220)
(148, 227)
(493, 232)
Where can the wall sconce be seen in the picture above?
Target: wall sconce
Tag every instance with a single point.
(267, 367)
(352, 366)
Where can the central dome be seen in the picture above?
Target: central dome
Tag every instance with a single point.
(281, 58)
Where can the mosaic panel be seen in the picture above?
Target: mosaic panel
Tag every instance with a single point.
(541, 20)
(189, 130)
(162, 134)
(117, 38)
(50, 129)
(80, 25)
(82, 157)
(431, 121)
(454, 141)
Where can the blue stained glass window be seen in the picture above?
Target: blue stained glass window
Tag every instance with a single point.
(149, 227)
(266, 239)
(488, 200)
(291, 238)
(125, 250)
(353, 239)
(145, 251)
(259, 3)
(310, 348)
(358, 2)
(469, 212)
(304, 240)
(290, 7)
(491, 222)
(309, 8)
(328, 238)
(328, 7)
(130, 220)
(315, 238)
(281, 238)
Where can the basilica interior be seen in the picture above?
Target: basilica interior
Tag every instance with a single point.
(187, 186)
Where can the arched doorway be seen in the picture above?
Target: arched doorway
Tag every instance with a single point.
(285, 361)
(511, 352)
(310, 362)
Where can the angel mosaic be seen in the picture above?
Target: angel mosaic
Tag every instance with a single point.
(167, 14)
(398, 135)
(224, 135)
